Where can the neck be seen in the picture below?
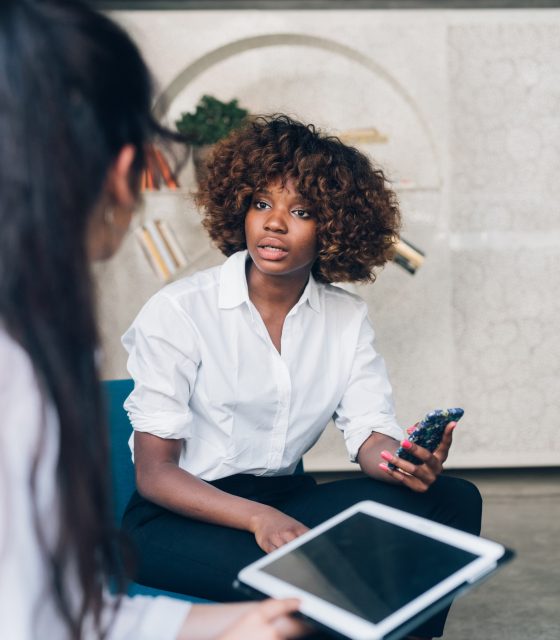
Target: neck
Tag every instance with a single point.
(275, 292)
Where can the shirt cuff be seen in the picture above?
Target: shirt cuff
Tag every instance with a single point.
(166, 426)
(359, 436)
(163, 618)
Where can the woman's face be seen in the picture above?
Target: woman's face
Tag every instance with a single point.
(280, 233)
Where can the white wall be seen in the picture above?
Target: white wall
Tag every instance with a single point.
(470, 102)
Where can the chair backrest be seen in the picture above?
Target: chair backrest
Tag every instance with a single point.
(120, 430)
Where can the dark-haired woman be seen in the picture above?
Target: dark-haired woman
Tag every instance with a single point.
(239, 368)
(75, 117)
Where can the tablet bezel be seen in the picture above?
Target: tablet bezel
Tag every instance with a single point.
(350, 624)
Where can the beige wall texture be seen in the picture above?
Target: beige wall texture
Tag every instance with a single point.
(470, 104)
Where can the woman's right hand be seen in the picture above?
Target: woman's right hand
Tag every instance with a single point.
(273, 529)
(268, 620)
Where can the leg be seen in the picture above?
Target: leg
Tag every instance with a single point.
(451, 501)
(196, 558)
(187, 556)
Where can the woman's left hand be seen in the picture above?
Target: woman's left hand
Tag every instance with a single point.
(419, 477)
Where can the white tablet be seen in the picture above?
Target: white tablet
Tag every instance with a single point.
(371, 569)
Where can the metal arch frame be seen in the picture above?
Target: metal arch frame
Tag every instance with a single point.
(208, 60)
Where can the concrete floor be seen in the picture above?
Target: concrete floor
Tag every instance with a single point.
(522, 600)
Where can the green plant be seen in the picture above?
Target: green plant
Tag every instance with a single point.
(211, 121)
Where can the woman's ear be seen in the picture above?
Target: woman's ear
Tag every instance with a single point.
(119, 181)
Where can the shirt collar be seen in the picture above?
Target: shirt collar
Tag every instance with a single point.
(311, 295)
(233, 282)
(233, 285)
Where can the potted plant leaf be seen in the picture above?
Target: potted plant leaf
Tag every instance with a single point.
(211, 121)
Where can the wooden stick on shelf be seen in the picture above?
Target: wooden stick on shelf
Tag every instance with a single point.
(152, 253)
(165, 170)
(171, 242)
(408, 256)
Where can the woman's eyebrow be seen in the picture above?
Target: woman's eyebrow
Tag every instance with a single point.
(297, 196)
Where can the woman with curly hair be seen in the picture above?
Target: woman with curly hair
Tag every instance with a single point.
(239, 368)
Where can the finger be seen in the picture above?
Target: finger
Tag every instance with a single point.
(400, 463)
(443, 449)
(424, 455)
(414, 449)
(290, 627)
(280, 538)
(271, 609)
(288, 536)
(267, 546)
(425, 472)
(412, 429)
(431, 465)
(417, 484)
(396, 474)
(406, 479)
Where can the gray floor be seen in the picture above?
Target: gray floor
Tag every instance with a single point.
(522, 601)
(521, 510)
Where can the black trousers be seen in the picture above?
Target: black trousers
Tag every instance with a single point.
(200, 559)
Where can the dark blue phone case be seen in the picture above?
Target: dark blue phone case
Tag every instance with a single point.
(429, 432)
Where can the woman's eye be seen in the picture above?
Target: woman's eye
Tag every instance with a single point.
(300, 213)
(260, 204)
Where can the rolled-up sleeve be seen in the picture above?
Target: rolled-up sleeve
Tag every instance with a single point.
(367, 404)
(163, 359)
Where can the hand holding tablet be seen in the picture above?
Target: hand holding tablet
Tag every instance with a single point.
(256, 624)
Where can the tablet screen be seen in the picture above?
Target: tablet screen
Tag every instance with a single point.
(368, 566)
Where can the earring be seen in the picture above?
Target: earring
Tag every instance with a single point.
(109, 217)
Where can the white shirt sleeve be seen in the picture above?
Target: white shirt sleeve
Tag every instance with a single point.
(367, 403)
(147, 618)
(163, 360)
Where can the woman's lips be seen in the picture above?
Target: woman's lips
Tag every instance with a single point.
(271, 252)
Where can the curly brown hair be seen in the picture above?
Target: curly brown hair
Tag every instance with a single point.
(358, 217)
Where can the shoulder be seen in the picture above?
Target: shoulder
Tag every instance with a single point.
(192, 285)
(175, 311)
(340, 300)
(179, 299)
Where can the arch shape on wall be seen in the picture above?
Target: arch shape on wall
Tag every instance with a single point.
(220, 54)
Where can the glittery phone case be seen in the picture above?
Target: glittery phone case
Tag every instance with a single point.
(429, 432)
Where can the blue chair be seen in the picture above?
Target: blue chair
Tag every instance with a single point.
(122, 468)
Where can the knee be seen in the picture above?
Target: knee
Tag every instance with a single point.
(464, 501)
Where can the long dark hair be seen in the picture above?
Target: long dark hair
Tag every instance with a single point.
(73, 91)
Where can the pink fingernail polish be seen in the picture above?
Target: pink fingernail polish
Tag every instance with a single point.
(406, 444)
(386, 455)
(383, 466)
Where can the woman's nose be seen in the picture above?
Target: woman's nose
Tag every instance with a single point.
(276, 221)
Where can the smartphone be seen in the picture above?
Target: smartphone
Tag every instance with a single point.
(429, 432)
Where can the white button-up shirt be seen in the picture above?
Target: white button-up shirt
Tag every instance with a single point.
(206, 372)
